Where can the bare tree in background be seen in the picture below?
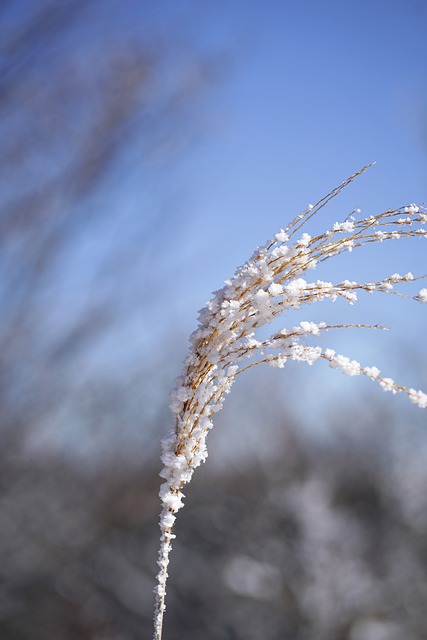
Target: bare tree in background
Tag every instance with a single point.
(80, 89)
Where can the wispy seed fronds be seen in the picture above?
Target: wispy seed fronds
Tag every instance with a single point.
(271, 282)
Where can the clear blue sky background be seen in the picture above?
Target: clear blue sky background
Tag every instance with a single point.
(316, 91)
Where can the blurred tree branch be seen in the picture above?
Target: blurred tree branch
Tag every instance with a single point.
(77, 92)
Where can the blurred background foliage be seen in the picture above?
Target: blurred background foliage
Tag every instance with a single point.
(289, 532)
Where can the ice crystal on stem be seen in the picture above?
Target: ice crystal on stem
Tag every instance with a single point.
(224, 345)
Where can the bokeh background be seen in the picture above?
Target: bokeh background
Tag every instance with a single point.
(146, 149)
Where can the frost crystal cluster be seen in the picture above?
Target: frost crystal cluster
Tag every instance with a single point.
(272, 281)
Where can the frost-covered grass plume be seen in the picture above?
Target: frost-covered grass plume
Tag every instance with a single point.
(273, 281)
